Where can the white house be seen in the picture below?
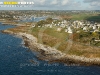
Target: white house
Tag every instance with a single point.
(85, 28)
(59, 29)
(70, 30)
(94, 27)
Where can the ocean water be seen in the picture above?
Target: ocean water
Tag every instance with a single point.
(16, 59)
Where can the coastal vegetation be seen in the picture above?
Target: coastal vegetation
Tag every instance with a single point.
(60, 41)
(72, 33)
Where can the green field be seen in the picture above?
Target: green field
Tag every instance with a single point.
(89, 17)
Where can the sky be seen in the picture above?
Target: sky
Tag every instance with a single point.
(57, 5)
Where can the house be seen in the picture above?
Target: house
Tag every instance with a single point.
(70, 30)
(59, 29)
(94, 27)
(85, 28)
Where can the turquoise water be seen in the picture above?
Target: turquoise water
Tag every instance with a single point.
(15, 59)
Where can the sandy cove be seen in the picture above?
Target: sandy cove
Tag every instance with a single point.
(51, 54)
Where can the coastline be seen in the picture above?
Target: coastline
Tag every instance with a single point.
(50, 54)
(6, 22)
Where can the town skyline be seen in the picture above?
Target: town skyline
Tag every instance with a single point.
(57, 5)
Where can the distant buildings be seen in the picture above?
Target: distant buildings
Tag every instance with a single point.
(74, 26)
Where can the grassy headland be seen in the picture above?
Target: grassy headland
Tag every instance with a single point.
(53, 32)
(59, 40)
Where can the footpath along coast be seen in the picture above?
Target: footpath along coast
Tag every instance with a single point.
(51, 54)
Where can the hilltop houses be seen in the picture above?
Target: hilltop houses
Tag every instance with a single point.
(74, 26)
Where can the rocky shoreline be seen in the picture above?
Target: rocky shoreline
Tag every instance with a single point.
(51, 54)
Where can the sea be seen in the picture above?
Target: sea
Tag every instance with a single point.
(16, 59)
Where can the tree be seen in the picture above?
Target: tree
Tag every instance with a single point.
(94, 34)
(49, 20)
(40, 23)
